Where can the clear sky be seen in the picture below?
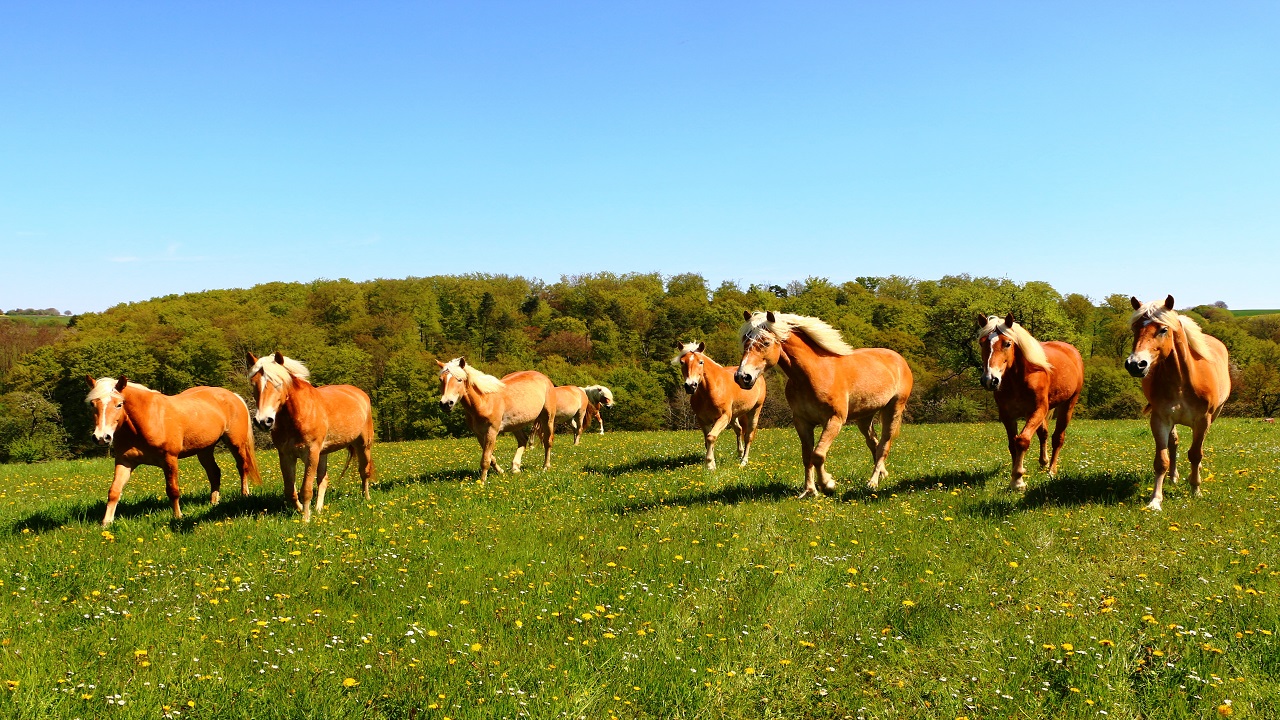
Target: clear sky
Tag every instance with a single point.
(155, 148)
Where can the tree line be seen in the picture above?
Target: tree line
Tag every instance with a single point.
(617, 330)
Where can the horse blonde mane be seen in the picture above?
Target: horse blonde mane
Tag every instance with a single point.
(595, 392)
(822, 334)
(684, 350)
(103, 388)
(279, 374)
(481, 381)
(1156, 312)
(1031, 348)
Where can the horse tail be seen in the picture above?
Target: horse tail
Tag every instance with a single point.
(1147, 410)
(351, 453)
(250, 457)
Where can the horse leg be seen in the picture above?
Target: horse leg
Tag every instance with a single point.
(709, 436)
(1160, 431)
(364, 462)
(288, 471)
(829, 433)
(749, 425)
(244, 462)
(890, 424)
(737, 435)
(1011, 430)
(210, 465)
(866, 425)
(804, 429)
(1196, 453)
(323, 473)
(487, 443)
(117, 489)
(547, 432)
(600, 419)
(314, 461)
(1042, 433)
(1173, 452)
(171, 484)
(579, 424)
(522, 443)
(1061, 421)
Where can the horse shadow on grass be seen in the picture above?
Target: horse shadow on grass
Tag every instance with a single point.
(945, 480)
(647, 465)
(91, 513)
(728, 495)
(434, 476)
(1065, 490)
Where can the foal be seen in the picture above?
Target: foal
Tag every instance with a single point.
(717, 400)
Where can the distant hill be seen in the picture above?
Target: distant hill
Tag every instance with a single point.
(58, 320)
(1251, 313)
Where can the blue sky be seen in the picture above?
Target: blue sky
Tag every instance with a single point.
(148, 149)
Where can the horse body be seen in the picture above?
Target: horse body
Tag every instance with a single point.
(307, 423)
(516, 404)
(145, 427)
(718, 402)
(1030, 379)
(572, 405)
(598, 396)
(828, 384)
(1186, 380)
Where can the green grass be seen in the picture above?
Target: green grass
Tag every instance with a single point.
(629, 582)
(37, 319)
(1250, 313)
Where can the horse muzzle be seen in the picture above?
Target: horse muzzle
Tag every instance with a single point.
(691, 388)
(991, 382)
(103, 439)
(746, 381)
(1137, 368)
(447, 405)
(265, 423)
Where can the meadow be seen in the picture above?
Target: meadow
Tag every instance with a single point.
(628, 582)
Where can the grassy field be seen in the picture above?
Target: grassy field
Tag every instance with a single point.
(1251, 313)
(628, 582)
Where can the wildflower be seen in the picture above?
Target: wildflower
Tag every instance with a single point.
(908, 603)
(11, 685)
(1013, 564)
(1225, 708)
(350, 682)
(476, 647)
(1068, 647)
(1106, 643)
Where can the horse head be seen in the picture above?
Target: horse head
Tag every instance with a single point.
(997, 348)
(691, 364)
(1152, 325)
(106, 397)
(761, 348)
(272, 377)
(453, 382)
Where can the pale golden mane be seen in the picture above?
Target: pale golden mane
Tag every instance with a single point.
(104, 387)
(481, 381)
(278, 374)
(684, 350)
(822, 334)
(1031, 348)
(1156, 312)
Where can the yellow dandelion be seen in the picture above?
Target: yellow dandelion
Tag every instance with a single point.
(908, 603)
(476, 647)
(1106, 643)
(1013, 564)
(1225, 708)
(350, 682)
(1068, 647)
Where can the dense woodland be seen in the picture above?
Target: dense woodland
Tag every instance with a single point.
(618, 330)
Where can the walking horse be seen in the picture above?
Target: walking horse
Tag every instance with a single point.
(598, 396)
(516, 404)
(1029, 379)
(144, 427)
(717, 401)
(307, 423)
(1186, 378)
(572, 405)
(828, 383)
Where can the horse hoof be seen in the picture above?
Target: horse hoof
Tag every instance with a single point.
(1018, 486)
(214, 498)
(1154, 505)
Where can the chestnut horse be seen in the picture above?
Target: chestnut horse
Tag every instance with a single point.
(307, 423)
(516, 403)
(572, 405)
(598, 396)
(828, 382)
(144, 427)
(1186, 378)
(717, 400)
(1029, 379)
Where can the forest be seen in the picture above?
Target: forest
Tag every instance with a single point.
(617, 330)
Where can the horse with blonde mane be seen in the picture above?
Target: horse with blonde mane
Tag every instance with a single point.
(1029, 378)
(828, 383)
(598, 396)
(1186, 378)
(717, 401)
(144, 427)
(307, 423)
(517, 403)
(572, 405)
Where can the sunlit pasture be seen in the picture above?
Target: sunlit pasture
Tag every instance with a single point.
(629, 582)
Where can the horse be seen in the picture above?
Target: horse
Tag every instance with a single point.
(518, 403)
(1029, 378)
(598, 396)
(1186, 379)
(571, 405)
(717, 401)
(828, 383)
(145, 427)
(307, 423)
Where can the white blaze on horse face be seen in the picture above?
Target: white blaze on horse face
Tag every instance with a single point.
(992, 375)
(451, 389)
(109, 411)
(268, 403)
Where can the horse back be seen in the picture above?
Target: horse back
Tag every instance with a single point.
(202, 415)
(1068, 370)
(528, 393)
(1215, 377)
(570, 400)
(874, 373)
(347, 409)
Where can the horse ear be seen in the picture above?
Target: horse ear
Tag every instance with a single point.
(462, 362)
(250, 358)
(746, 315)
(981, 321)
(701, 346)
(279, 358)
(1008, 320)
(679, 345)
(1168, 303)
(121, 383)
(440, 364)
(1136, 303)
(92, 382)
(771, 317)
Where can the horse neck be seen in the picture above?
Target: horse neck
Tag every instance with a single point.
(474, 402)
(715, 375)
(139, 413)
(798, 358)
(300, 397)
(1185, 367)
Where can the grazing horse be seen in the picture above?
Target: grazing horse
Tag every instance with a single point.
(717, 400)
(516, 403)
(307, 423)
(1029, 379)
(828, 383)
(144, 427)
(571, 405)
(1185, 376)
(598, 396)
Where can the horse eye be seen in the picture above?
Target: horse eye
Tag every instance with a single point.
(120, 404)
(1162, 330)
(699, 362)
